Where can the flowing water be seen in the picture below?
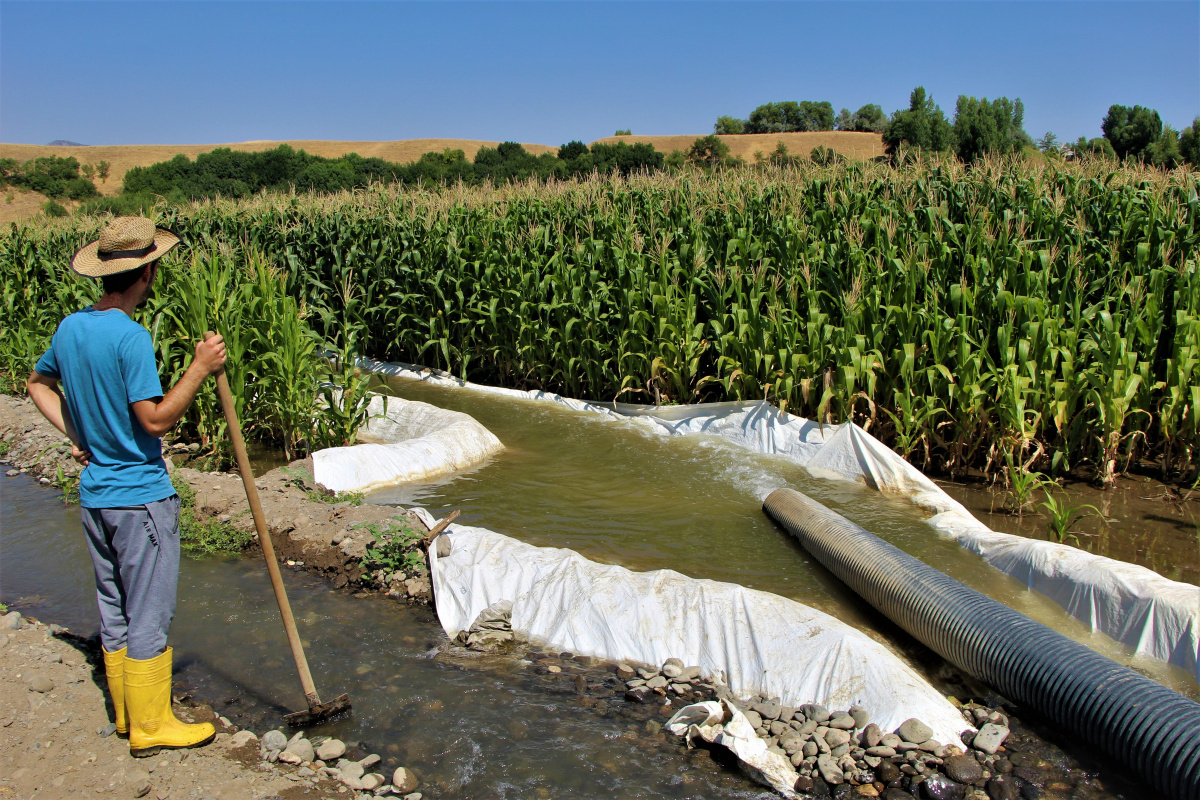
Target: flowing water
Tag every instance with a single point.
(491, 727)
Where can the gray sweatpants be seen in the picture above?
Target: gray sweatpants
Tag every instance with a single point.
(135, 553)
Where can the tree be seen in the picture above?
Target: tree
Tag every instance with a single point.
(1094, 148)
(1164, 151)
(982, 127)
(1189, 144)
(1131, 131)
(572, 150)
(870, 119)
(1048, 143)
(729, 125)
(844, 121)
(102, 171)
(709, 151)
(625, 132)
(787, 116)
(921, 125)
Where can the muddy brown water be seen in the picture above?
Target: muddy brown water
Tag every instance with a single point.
(491, 727)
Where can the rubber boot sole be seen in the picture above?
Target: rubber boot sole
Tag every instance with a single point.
(158, 748)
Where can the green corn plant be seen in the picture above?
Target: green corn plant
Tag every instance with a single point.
(1062, 515)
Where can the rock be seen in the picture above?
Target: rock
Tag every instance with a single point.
(803, 785)
(657, 682)
(691, 674)
(40, 683)
(931, 746)
(777, 728)
(806, 727)
(963, 769)
(866, 790)
(639, 694)
(879, 751)
(139, 781)
(791, 743)
(815, 712)
(370, 781)
(887, 772)
(331, 750)
(939, 787)
(625, 672)
(672, 671)
(837, 737)
(861, 717)
(767, 710)
(1002, 787)
(890, 740)
(830, 771)
(444, 547)
(913, 730)
(897, 794)
(843, 722)
(12, 621)
(871, 735)
(404, 780)
(990, 737)
(810, 749)
(350, 769)
(646, 674)
(242, 738)
(273, 740)
(301, 748)
(633, 684)
(106, 730)
(12, 473)
(289, 757)
(369, 761)
(753, 717)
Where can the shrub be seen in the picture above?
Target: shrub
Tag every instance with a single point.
(53, 209)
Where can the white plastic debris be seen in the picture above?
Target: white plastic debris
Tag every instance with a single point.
(405, 441)
(758, 643)
(723, 725)
(1146, 612)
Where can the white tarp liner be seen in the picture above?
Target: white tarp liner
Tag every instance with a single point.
(706, 721)
(405, 441)
(756, 642)
(1136, 606)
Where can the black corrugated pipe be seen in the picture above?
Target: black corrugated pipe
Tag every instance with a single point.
(1153, 730)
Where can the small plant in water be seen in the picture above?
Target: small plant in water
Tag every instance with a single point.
(1021, 486)
(1063, 515)
(206, 537)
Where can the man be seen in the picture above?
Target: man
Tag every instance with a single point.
(112, 408)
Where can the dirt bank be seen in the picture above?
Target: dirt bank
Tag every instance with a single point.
(309, 529)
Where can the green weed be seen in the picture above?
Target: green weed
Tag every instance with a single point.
(1063, 515)
(206, 537)
(396, 548)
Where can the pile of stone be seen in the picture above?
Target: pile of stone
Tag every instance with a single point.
(490, 631)
(673, 681)
(323, 757)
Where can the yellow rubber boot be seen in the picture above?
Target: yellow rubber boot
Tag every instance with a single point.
(152, 725)
(114, 668)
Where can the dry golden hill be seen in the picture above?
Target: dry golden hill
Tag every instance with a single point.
(124, 157)
(850, 144)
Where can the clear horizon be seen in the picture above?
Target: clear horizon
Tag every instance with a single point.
(102, 73)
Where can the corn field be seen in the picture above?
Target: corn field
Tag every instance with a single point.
(1048, 317)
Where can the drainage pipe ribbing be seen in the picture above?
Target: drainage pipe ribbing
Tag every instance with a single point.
(1153, 730)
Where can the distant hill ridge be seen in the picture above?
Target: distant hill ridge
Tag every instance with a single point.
(65, 143)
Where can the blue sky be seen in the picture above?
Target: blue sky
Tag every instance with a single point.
(206, 72)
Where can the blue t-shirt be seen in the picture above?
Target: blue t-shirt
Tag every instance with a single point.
(105, 362)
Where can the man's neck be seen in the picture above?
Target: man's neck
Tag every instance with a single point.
(125, 301)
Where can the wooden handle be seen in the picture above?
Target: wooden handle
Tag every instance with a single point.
(436, 530)
(264, 538)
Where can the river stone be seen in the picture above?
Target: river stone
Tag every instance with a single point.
(691, 674)
(803, 785)
(273, 740)
(139, 782)
(657, 682)
(810, 748)
(807, 728)
(887, 772)
(871, 735)
(866, 790)
(890, 740)
(639, 694)
(404, 780)
(861, 717)
(40, 683)
(835, 737)
(931, 746)
(369, 761)
(897, 794)
(963, 769)
(331, 750)
(913, 730)
(880, 751)
(791, 742)
(939, 787)
(815, 712)
(768, 709)
(989, 738)
(754, 719)
(830, 771)
(777, 728)
(300, 747)
(1002, 787)
(350, 769)
(12, 621)
(625, 672)
(242, 738)
(646, 674)
(843, 722)
(840, 750)
(370, 781)
(673, 668)
(289, 757)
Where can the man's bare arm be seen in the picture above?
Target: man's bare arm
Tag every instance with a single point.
(48, 398)
(158, 416)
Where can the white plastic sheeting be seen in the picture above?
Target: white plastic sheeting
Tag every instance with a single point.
(405, 441)
(1136, 606)
(722, 724)
(756, 642)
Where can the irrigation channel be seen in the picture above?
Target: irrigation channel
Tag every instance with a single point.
(491, 726)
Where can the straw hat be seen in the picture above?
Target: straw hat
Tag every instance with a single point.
(125, 243)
